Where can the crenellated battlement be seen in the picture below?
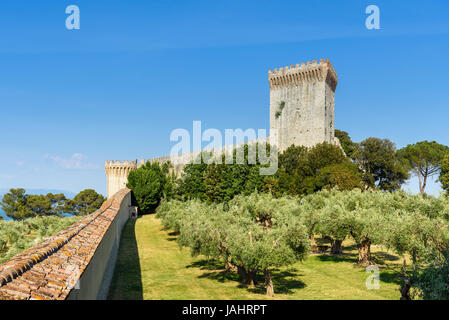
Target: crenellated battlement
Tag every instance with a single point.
(117, 173)
(120, 164)
(304, 72)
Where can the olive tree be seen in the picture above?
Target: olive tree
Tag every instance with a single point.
(365, 217)
(251, 234)
(332, 221)
(416, 234)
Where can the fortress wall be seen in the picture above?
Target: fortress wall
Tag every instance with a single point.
(329, 114)
(95, 281)
(76, 263)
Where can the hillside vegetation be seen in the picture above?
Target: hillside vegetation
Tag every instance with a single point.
(17, 236)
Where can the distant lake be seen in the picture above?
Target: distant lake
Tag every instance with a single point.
(6, 218)
(2, 214)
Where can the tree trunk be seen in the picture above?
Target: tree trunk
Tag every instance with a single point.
(243, 275)
(424, 185)
(421, 188)
(364, 249)
(312, 238)
(336, 247)
(230, 267)
(269, 283)
(405, 290)
(247, 277)
(251, 278)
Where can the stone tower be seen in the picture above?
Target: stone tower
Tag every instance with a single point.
(117, 174)
(302, 104)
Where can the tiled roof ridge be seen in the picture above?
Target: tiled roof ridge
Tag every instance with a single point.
(34, 255)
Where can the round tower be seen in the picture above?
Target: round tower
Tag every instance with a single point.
(117, 174)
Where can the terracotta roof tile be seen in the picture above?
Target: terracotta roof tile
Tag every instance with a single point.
(49, 270)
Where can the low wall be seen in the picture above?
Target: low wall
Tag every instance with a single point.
(91, 285)
(76, 263)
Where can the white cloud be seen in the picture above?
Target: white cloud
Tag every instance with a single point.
(20, 163)
(77, 161)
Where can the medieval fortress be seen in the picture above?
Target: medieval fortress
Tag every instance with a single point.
(302, 112)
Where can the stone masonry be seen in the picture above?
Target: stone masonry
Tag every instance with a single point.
(302, 104)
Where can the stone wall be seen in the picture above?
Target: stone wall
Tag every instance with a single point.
(76, 263)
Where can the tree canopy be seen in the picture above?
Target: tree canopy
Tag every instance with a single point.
(305, 171)
(14, 204)
(216, 181)
(85, 202)
(380, 164)
(18, 205)
(150, 183)
(346, 142)
(424, 159)
(444, 175)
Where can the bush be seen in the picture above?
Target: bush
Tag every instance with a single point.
(85, 202)
(150, 184)
(217, 182)
(433, 281)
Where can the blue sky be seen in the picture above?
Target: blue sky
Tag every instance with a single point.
(136, 70)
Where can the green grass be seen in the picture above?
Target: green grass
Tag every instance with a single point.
(151, 266)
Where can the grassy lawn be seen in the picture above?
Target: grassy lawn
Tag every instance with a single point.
(151, 266)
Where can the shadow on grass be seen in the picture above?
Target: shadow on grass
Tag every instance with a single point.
(379, 257)
(216, 270)
(207, 264)
(345, 257)
(388, 273)
(384, 256)
(284, 281)
(391, 276)
(127, 282)
(171, 236)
